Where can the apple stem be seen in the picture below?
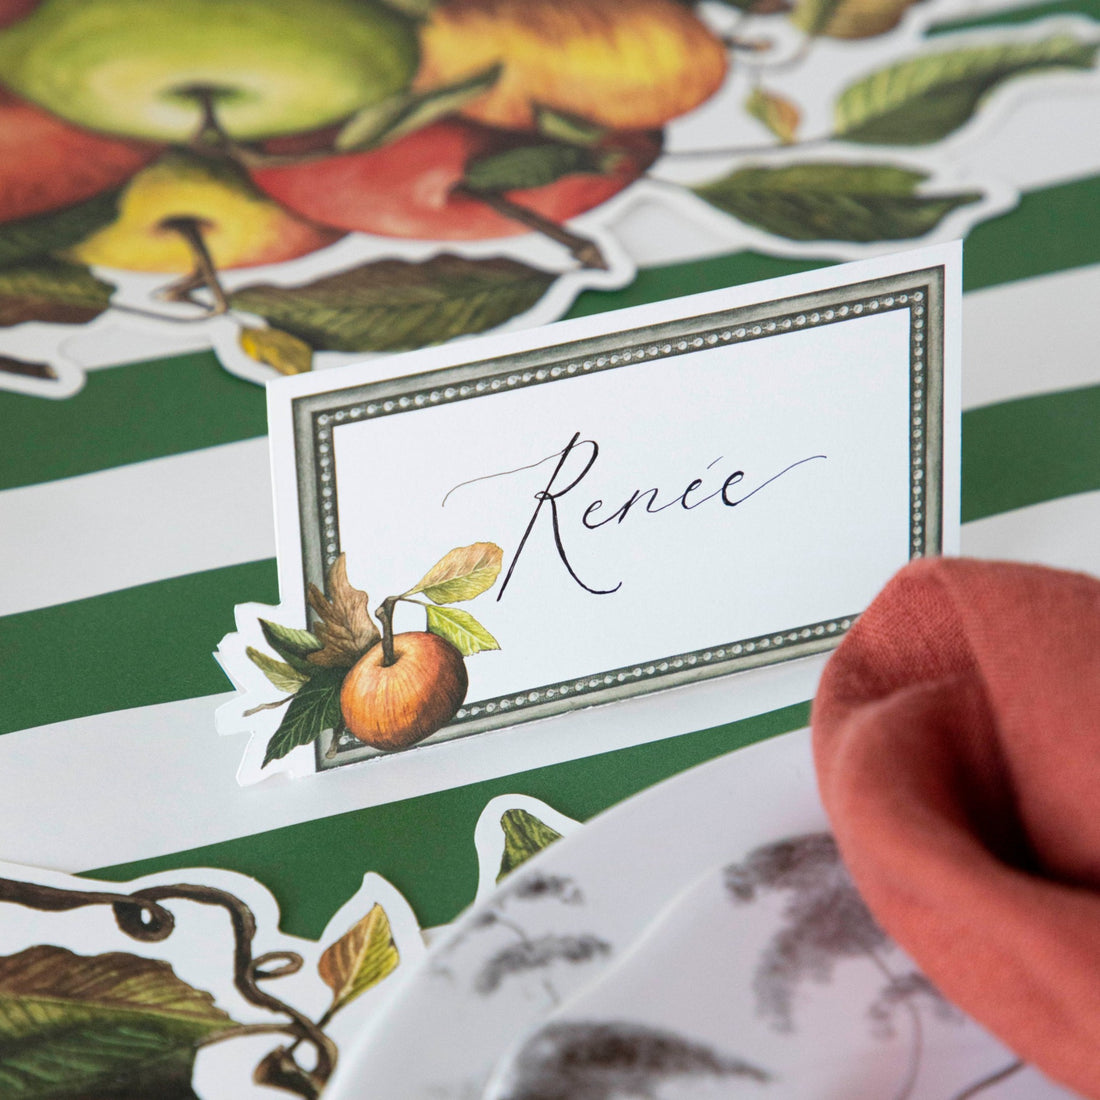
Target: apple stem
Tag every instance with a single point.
(583, 249)
(205, 273)
(385, 617)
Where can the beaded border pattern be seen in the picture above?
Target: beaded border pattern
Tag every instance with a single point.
(681, 667)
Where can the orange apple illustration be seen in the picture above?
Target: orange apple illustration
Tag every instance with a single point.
(391, 706)
(622, 64)
(46, 163)
(412, 188)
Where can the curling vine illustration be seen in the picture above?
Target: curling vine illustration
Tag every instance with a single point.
(121, 1025)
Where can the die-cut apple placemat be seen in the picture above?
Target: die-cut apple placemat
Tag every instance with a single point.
(298, 183)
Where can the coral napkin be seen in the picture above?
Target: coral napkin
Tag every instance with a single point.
(957, 744)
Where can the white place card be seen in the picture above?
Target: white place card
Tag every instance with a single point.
(596, 510)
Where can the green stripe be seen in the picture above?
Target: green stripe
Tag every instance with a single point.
(147, 410)
(152, 643)
(424, 846)
(1030, 450)
(127, 414)
(1027, 14)
(143, 645)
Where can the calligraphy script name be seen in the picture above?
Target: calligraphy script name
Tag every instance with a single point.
(642, 501)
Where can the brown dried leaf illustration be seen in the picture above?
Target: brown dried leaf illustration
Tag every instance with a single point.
(462, 574)
(22, 366)
(359, 959)
(346, 628)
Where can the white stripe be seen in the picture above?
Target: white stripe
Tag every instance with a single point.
(133, 784)
(1063, 533)
(83, 536)
(158, 779)
(1031, 337)
(212, 508)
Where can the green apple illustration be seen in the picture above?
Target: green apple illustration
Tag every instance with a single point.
(160, 68)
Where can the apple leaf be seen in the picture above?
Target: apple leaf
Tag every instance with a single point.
(359, 959)
(461, 629)
(923, 100)
(8, 365)
(780, 115)
(562, 126)
(113, 1026)
(462, 574)
(294, 646)
(314, 709)
(529, 166)
(848, 18)
(346, 629)
(391, 305)
(282, 675)
(278, 349)
(401, 114)
(51, 290)
(27, 238)
(833, 202)
(524, 836)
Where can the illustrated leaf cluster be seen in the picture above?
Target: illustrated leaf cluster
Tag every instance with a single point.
(113, 1026)
(914, 102)
(311, 665)
(119, 1026)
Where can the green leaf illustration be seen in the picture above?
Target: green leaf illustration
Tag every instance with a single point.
(51, 290)
(280, 674)
(848, 18)
(529, 166)
(293, 645)
(923, 100)
(524, 836)
(359, 959)
(113, 1027)
(314, 709)
(27, 238)
(402, 114)
(462, 574)
(461, 629)
(562, 126)
(395, 304)
(779, 114)
(833, 202)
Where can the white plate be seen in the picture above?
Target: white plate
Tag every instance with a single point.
(629, 924)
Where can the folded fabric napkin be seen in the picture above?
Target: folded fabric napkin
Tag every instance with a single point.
(957, 743)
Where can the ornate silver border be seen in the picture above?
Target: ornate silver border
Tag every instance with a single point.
(316, 417)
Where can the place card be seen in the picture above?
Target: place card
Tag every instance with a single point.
(593, 511)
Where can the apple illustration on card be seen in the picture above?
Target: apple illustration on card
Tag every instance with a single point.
(533, 547)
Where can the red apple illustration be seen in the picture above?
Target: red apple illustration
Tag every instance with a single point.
(11, 11)
(46, 163)
(412, 187)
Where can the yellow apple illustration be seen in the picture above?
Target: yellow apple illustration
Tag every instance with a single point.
(626, 65)
(147, 68)
(184, 196)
